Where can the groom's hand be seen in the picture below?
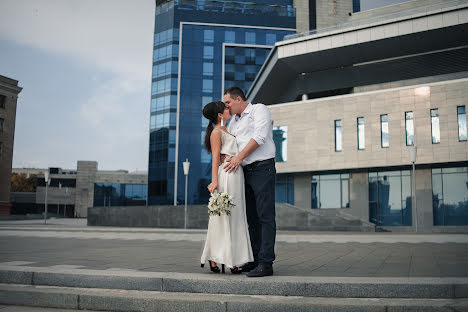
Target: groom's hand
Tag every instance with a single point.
(233, 163)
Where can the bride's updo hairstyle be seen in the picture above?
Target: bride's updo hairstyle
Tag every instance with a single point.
(211, 111)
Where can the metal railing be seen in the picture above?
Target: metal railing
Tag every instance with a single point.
(227, 7)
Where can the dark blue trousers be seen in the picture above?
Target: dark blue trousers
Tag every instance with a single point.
(260, 206)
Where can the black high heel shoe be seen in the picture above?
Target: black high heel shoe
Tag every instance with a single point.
(214, 269)
(236, 270)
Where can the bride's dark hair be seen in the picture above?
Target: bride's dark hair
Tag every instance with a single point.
(211, 111)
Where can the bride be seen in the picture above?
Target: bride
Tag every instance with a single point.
(227, 240)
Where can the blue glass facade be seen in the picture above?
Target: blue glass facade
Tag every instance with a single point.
(390, 198)
(119, 194)
(284, 188)
(450, 196)
(220, 44)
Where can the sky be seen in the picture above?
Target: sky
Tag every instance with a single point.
(85, 69)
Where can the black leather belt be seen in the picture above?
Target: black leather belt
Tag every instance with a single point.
(258, 163)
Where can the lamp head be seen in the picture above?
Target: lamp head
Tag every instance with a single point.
(186, 165)
(413, 153)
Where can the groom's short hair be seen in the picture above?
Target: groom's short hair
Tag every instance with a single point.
(234, 92)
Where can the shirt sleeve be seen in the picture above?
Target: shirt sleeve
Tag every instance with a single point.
(262, 123)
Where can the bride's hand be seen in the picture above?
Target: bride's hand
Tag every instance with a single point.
(212, 187)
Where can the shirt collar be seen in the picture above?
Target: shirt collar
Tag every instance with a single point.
(246, 111)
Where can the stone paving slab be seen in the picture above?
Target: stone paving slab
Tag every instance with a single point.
(297, 253)
(10, 308)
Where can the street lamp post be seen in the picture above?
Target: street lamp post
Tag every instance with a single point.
(413, 153)
(66, 196)
(58, 200)
(186, 165)
(47, 182)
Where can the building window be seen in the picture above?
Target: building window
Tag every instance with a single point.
(450, 196)
(384, 131)
(208, 35)
(250, 37)
(208, 52)
(116, 194)
(461, 113)
(1, 124)
(207, 85)
(229, 36)
(284, 189)
(280, 137)
(356, 6)
(2, 101)
(409, 128)
(330, 191)
(338, 136)
(270, 39)
(361, 134)
(208, 69)
(435, 128)
(390, 198)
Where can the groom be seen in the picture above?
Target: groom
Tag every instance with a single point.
(253, 128)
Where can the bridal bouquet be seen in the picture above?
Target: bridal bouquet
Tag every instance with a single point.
(220, 203)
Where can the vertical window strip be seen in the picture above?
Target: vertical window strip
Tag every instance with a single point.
(435, 127)
(361, 133)
(338, 136)
(409, 126)
(461, 117)
(384, 140)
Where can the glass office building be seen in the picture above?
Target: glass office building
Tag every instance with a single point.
(200, 49)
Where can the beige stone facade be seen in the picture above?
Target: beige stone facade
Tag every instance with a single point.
(311, 138)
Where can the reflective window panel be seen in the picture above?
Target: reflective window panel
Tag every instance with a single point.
(409, 126)
(450, 196)
(361, 133)
(338, 136)
(325, 189)
(390, 198)
(284, 188)
(280, 137)
(461, 114)
(435, 128)
(384, 131)
(116, 194)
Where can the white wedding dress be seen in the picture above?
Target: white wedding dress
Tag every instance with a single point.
(227, 240)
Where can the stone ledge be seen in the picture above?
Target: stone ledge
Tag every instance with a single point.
(171, 282)
(130, 300)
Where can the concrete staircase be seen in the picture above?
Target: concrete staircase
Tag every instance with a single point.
(105, 290)
(289, 217)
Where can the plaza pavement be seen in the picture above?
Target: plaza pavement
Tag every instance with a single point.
(71, 244)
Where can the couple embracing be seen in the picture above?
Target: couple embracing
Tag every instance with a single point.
(243, 166)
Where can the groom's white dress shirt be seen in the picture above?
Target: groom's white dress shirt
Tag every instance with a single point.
(254, 123)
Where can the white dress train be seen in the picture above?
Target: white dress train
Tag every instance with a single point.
(227, 240)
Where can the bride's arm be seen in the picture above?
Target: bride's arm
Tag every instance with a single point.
(215, 142)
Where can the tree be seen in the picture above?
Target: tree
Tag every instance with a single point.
(21, 183)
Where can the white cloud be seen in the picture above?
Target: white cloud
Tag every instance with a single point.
(113, 34)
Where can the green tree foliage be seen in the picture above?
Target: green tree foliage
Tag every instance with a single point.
(21, 183)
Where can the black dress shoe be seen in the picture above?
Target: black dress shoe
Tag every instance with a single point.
(249, 266)
(263, 269)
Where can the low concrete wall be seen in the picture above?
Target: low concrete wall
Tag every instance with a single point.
(149, 216)
(288, 217)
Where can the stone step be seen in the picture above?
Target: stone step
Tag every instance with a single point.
(134, 300)
(171, 282)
